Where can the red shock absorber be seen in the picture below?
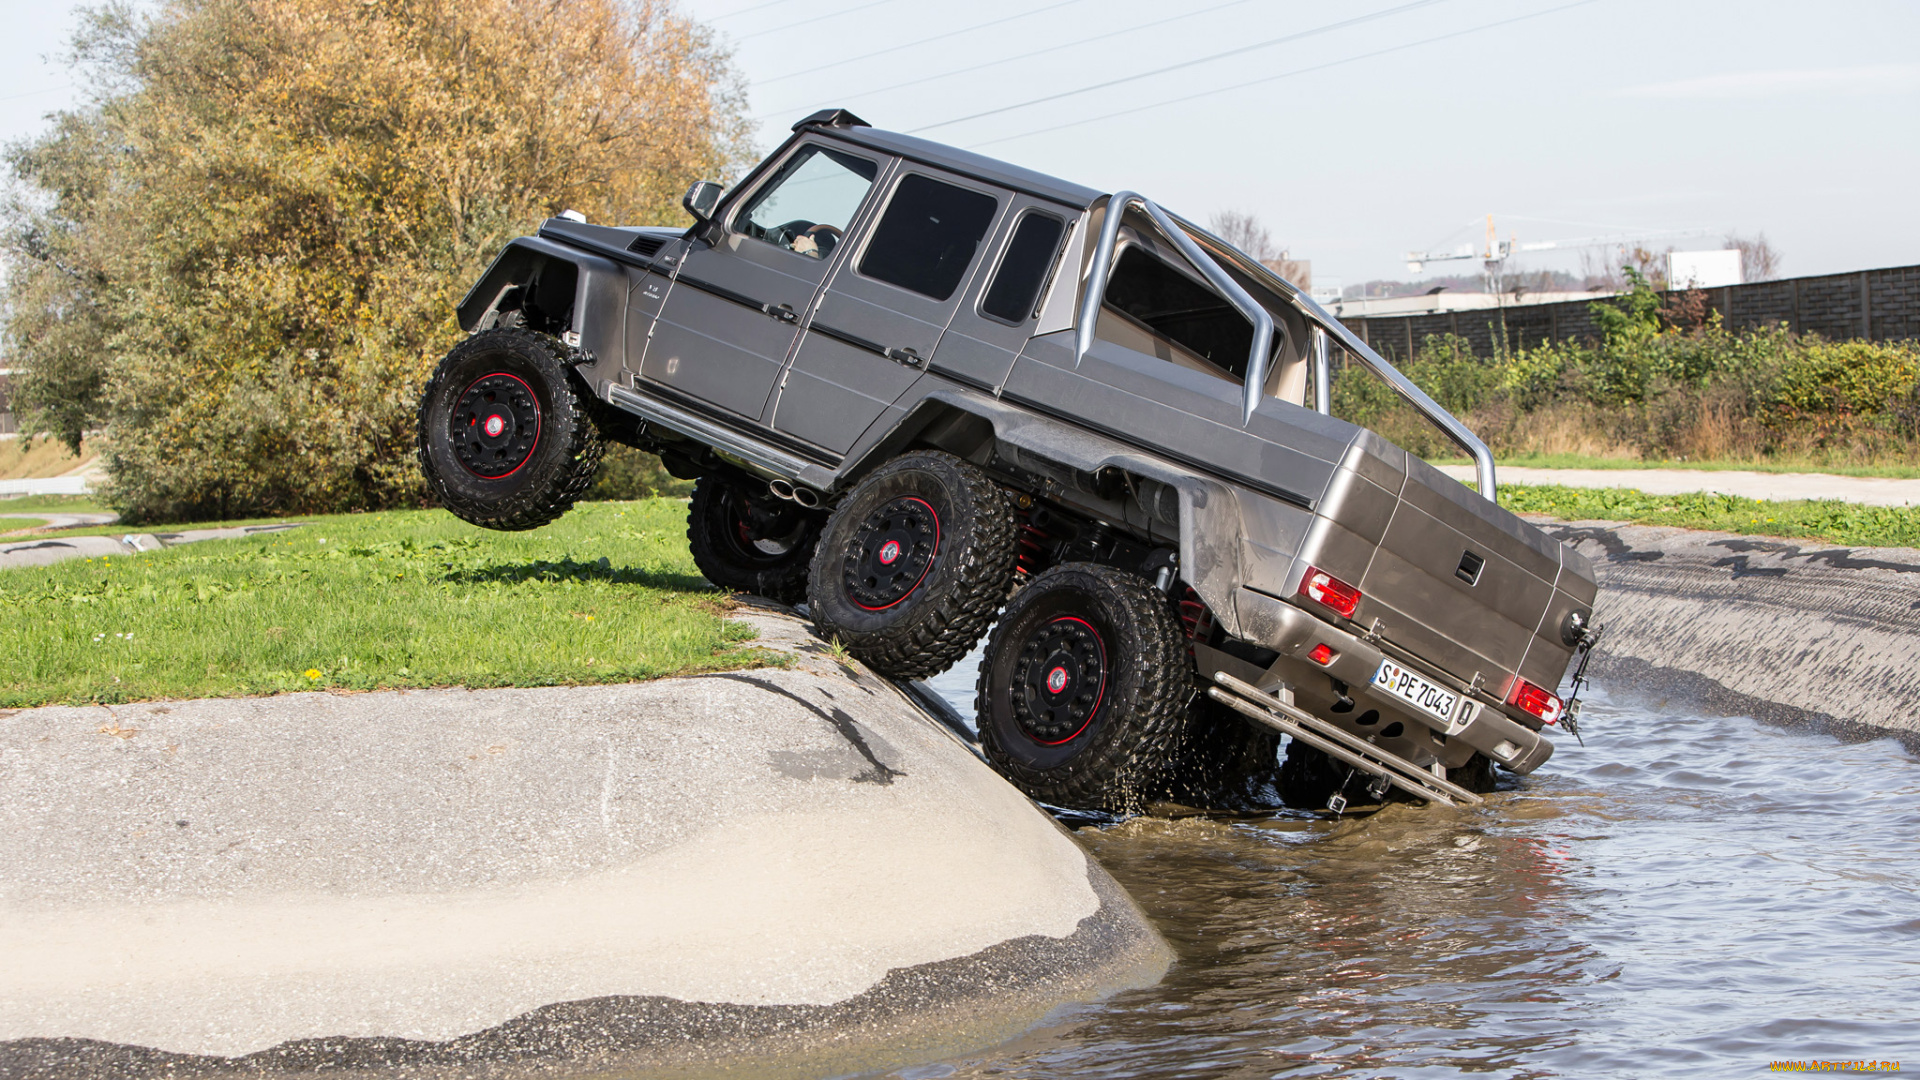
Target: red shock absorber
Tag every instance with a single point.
(1033, 544)
(1194, 613)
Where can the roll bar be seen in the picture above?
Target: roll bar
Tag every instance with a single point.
(1207, 260)
(1242, 301)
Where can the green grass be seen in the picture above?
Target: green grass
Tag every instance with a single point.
(370, 601)
(1825, 519)
(59, 504)
(1582, 461)
(14, 524)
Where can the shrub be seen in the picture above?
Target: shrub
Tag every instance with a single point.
(242, 256)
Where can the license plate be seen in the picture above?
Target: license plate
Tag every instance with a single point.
(1410, 687)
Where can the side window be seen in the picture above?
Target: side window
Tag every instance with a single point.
(1184, 321)
(927, 238)
(807, 206)
(1031, 253)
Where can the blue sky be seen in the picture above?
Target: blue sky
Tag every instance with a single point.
(1381, 126)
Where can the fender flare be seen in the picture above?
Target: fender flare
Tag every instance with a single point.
(1209, 510)
(599, 295)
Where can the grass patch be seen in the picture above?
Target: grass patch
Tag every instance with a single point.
(16, 524)
(1588, 461)
(1823, 519)
(58, 504)
(372, 601)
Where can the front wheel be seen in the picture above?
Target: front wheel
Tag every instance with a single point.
(506, 439)
(1084, 688)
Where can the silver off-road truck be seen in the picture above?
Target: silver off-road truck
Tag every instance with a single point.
(928, 394)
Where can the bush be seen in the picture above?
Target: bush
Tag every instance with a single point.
(626, 473)
(242, 256)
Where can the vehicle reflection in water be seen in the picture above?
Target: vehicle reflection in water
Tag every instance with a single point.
(1684, 894)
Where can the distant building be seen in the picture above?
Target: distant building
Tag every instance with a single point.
(1703, 269)
(1438, 302)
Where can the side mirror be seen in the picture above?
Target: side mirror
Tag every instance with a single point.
(701, 199)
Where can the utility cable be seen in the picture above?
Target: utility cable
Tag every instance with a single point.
(1269, 43)
(749, 10)
(1284, 75)
(36, 93)
(1027, 55)
(815, 19)
(925, 41)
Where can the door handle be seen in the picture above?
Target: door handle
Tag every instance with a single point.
(783, 312)
(905, 356)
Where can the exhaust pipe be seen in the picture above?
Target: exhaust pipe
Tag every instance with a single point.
(781, 489)
(806, 497)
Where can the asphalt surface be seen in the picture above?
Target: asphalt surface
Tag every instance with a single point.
(53, 548)
(1774, 487)
(773, 866)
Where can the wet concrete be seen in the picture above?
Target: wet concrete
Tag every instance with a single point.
(1780, 630)
(786, 872)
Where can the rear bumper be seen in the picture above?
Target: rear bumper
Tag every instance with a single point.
(1293, 633)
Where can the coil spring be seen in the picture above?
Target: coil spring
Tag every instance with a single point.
(1033, 547)
(1194, 614)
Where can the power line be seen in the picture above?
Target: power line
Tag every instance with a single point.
(925, 40)
(1030, 55)
(1283, 75)
(36, 93)
(815, 19)
(1327, 28)
(749, 11)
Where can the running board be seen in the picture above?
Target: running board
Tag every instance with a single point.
(1257, 705)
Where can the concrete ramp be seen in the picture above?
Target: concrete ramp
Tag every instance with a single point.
(793, 872)
(1784, 630)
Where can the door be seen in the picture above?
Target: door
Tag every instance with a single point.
(884, 310)
(726, 328)
(996, 317)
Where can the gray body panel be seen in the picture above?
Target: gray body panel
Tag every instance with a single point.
(862, 369)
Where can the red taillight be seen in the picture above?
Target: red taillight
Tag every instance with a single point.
(1322, 654)
(1323, 588)
(1541, 702)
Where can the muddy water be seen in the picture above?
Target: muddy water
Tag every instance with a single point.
(1686, 895)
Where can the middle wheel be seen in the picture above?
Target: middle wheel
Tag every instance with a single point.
(1083, 692)
(914, 564)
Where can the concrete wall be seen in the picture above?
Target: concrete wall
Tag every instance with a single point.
(1779, 630)
(1880, 305)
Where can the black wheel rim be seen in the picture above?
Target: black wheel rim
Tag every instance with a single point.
(891, 553)
(760, 534)
(1060, 681)
(495, 426)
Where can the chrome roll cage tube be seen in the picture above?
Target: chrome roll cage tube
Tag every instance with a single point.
(1242, 301)
(1325, 326)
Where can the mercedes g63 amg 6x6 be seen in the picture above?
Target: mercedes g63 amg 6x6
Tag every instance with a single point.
(931, 394)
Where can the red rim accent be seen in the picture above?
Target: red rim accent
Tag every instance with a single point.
(1098, 700)
(923, 573)
(537, 420)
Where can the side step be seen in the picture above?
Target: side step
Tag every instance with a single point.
(1246, 698)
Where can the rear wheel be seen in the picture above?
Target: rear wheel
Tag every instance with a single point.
(506, 439)
(914, 564)
(745, 539)
(1084, 689)
(1224, 761)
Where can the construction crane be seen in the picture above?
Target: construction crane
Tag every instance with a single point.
(1494, 255)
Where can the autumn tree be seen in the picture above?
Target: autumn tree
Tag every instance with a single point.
(1245, 231)
(241, 256)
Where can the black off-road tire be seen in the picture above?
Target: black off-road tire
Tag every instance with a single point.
(1476, 775)
(1308, 778)
(1224, 761)
(1083, 692)
(913, 609)
(545, 450)
(746, 540)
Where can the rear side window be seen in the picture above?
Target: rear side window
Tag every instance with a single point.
(1181, 310)
(1015, 291)
(927, 238)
